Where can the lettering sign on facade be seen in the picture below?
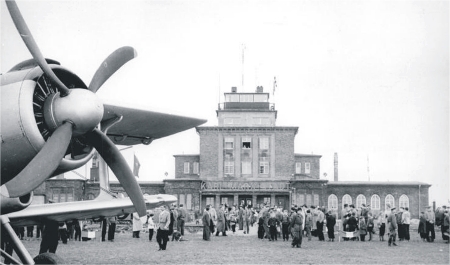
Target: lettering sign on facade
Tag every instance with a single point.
(243, 186)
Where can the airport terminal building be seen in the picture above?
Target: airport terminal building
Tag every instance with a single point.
(249, 160)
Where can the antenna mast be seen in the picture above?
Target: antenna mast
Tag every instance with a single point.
(243, 49)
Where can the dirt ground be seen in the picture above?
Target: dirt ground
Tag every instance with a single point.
(247, 249)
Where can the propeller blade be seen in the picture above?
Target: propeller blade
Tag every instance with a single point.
(112, 156)
(29, 41)
(114, 61)
(43, 164)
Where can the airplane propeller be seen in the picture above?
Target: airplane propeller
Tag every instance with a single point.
(73, 112)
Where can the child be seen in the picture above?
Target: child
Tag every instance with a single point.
(151, 226)
(273, 222)
(260, 228)
(370, 226)
(381, 225)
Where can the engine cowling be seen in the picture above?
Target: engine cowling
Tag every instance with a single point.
(24, 131)
(9, 205)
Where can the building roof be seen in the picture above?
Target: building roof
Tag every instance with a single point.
(373, 183)
(186, 155)
(306, 155)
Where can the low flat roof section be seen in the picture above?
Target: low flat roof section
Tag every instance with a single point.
(377, 183)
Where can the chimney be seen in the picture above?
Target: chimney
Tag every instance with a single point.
(336, 177)
(233, 89)
(259, 89)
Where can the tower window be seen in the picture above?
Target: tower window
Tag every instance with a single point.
(246, 142)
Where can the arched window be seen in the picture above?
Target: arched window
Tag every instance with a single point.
(403, 201)
(360, 200)
(389, 200)
(375, 202)
(332, 202)
(346, 200)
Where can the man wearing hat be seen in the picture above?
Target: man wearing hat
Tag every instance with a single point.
(296, 228)
(392, 226)
(430, 217)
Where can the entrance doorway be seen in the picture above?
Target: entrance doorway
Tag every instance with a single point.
(245, 200)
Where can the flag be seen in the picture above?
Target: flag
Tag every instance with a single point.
(274, 85)
(136, 166)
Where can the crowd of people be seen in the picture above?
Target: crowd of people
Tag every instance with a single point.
(301, 221)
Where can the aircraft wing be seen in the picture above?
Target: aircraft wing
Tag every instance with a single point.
(65, 211)
(143, 126)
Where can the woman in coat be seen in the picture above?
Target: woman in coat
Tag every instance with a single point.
(221, 222)
(422, 226)
(352, 224)
(331, 222)
(362, 228)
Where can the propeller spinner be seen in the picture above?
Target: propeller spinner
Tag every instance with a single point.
(71, 113)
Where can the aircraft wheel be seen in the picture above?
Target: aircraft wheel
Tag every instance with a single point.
(48, 258)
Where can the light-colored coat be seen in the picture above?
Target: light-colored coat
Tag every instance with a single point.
(164, 220)
(137, 223)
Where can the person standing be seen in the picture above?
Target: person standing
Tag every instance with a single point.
(392, 226)
(320, 219)
(362, 228)
(77, 228)
(381, 225)
(111, 228)
(221, 222)
(430, 217)
(266, 217)
(273, 221)
(296, 227)
(331, 222)
(445, 227)
(308, 224)
(406, 221)
(63, 232)
(247, 219)
(285, 225)
(137, 225)
(370, 225)
(182, 215)
(30, 231)
(162, 235)
(50, 237)
(422, 230)
(104, 228)
(173, 219)
(241, 218)
(399, 215)
(150, 226)
(206, 221)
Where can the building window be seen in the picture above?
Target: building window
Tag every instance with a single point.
(264, 167)
(298, 168)
(346, 199)
(332, 202)
(267, 200)
(195, 169)
(389, 202)
(186, 168)
(375, 202)
(91, 196)
(308, 200)
(224, 200)
(403, 201)
(300, 199)
(316, 199)
(182, 199)
(210, 201)
(246, 142)
(360, 199)
(246, 98)
(307, 168)
(189, 201)
(229, 167)
(62, 195)
(246, 167)
(231, 121)
(229, 143)
(261, 121)
(264, 143)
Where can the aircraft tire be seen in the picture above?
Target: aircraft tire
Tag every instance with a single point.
(48, 258)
